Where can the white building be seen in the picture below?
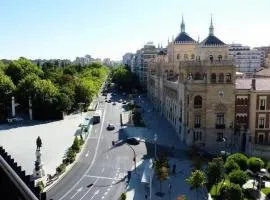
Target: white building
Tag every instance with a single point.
(247, 60)
(87, 59)
(127, 59)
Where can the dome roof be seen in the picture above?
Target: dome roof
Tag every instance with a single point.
(183, 37)
(212, 40)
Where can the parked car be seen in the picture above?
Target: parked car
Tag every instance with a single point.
(14, 119)
(110, 127)
(114, 103)
(133, 140)
(109, 101)
(124, 102)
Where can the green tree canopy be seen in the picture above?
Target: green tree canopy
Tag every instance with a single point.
(230, 166)
(238, 177)
(231, 192)
(6, 86)
(215, 171)
(255, 164)
(240, 159)
(197, 179)
(18, 69)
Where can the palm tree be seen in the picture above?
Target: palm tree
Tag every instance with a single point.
(161, 171)
(197, 179)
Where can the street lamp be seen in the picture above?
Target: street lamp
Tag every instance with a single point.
(155, 139)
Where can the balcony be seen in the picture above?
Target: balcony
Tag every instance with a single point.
(261, 126)
(197, 125)
(220, 126)
(262, 107)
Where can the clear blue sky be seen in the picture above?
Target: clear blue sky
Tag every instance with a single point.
(110, 28)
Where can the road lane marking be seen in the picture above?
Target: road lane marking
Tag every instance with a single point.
(89, 189)
(86, 155)
(96, 192)
(93, 160)
(102, 177)
(78, 190)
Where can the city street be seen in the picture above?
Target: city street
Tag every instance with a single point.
(101, 171)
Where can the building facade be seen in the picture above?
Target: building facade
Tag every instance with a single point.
(196, 87)
(247, 60)
(126, 60)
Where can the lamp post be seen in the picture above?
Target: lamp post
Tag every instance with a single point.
(155, 139)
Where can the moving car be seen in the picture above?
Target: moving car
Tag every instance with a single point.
(133, 140)
(110, 126)
(14, 119)
(97, 116)
(124, 102)
(114, 103)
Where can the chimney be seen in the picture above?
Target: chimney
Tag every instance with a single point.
(253, 84)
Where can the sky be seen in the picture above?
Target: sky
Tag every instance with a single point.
(66, 29)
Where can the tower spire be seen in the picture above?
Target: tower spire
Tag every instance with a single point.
(211, 28)
(182, 24)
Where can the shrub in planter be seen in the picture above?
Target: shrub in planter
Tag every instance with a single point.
(41, 186)
(123, 196)
(255, 164)
(230, 166)
(240, 159)
(76, 145)
(61, 168)
(71, 154)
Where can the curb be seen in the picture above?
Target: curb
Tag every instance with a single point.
(69, 167)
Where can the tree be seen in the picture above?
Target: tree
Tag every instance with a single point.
(238, 177)
(255, 164)
(123, 196)
(215, 171)
(231, 192)
(161, 170)
(240, 159)
(20, 68)
(197, 179)
(230, 166)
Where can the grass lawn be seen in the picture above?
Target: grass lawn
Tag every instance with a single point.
(214, 189)
(266, 191)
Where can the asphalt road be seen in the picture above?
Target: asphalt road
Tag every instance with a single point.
(101, 171)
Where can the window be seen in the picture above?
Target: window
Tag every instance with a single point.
(197, 121)
(211, 58)
(260, 138)
(221, 78)
(228, 78)
(197, 76)
(197, 101)
(220, 121)
(187, 119)
(178, 56)
(192, 56)
(185, 57)
(213, 78)
(262, 103)
(197, 135)
(219, 57)
(187, 100)
(261, 122)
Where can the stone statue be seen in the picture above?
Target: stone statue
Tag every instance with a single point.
(39, 143)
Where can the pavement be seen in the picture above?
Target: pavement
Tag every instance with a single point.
(19, 140)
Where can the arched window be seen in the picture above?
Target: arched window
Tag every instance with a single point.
(192, 56)
(197, 101)
(219, 57)
(246, 101)
(211, 58)
(178, 56)
(213, 78)
(197, 76)
(221, 78)
(228, 77)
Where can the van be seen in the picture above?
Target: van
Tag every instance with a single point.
(97, 117)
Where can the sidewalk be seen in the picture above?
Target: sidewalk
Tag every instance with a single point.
(137, 190)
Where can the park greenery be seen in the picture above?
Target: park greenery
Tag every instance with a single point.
(197, 180)
(125, 79)
(53, 89)
(225, 178)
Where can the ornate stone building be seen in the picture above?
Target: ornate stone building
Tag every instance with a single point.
(193, 87)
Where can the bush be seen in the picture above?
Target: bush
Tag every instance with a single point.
(123, 196)
(240, 159)
(255, 164)
(61, 168)
(231, 192)
(230, 166)
(268, 166)
(76, 145)
(41, 186)
(71, 155)
(238, 177)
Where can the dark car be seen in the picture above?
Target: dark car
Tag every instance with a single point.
(110, 127)
(133, 140)
(109, 101)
